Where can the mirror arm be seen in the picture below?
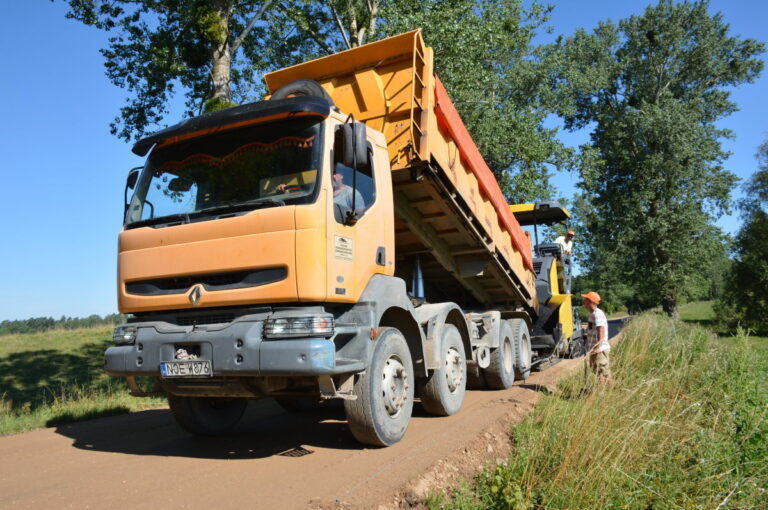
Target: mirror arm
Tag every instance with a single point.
(130, 183)
(354, 168)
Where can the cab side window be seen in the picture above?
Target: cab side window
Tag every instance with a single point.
(347, 199)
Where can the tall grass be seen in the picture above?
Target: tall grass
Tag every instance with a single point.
(684, 427)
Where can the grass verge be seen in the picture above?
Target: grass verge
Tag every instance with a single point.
(55, 377)
(684, 426)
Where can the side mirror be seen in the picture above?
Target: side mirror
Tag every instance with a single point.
(130, 183)
(133, 176)
(351, 145)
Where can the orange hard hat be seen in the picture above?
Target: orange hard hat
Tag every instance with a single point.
(592, 296)
(571, 232)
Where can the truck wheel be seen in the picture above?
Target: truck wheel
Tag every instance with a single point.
(522, 340)
(381, 413)
(476, 378)
(443, 392)
(302, 88)
(500, 373)
(206, 416)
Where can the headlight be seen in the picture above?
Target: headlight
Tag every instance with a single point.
(293, 327)
(124, 335)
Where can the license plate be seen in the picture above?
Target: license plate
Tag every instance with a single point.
(200, 368)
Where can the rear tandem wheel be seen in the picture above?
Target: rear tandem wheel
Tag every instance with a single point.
(522, 340)
(500, 373)
(443, 392)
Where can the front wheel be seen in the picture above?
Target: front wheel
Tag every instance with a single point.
(443, 393)
(207, 416)
(382, 411)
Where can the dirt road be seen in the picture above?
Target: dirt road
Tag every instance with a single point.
(274, 459)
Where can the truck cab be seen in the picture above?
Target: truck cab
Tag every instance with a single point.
(342, 239)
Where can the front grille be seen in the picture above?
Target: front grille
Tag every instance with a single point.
(199, 320)
(211, 282)
(536, 267)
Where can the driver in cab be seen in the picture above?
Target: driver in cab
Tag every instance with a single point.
(342, 194)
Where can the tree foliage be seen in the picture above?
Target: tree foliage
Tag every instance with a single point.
(652, 88)
(215, 52)
(745, 300)
(494, 74)
(40, 324)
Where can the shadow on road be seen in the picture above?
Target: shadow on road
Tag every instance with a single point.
(265, 431)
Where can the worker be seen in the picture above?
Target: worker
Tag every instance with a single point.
(598, 347)
(342, 194)
(566, 242)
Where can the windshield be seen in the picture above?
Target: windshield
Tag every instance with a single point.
(267, 165)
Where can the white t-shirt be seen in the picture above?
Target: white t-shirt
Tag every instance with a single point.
(597, 319)
(567, 245)
(344, 198)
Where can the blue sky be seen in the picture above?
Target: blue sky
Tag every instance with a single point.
(63, 174)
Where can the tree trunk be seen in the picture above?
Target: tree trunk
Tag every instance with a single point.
(220, 74)
(361, 29)
(221, 59)
(669, 305)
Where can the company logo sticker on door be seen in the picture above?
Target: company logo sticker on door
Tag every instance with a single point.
(343, 247)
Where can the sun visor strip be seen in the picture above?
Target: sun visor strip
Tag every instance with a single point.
(235, 117)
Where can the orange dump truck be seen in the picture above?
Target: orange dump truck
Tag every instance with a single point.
(342, 239)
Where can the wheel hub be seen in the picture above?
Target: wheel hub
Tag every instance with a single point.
(395, 386)
(454, 369)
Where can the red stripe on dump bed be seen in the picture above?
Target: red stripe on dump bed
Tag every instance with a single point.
(449, 120)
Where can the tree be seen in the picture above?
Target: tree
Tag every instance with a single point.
(652, 87)
(157, 45)
(745, 300)
(217, 51)
(485, 56)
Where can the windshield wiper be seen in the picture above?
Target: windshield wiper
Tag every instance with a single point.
(160, 219)
(241, 206)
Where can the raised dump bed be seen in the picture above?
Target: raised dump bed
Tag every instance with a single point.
(451, 216)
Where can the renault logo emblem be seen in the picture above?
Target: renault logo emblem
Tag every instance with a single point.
(195, 294)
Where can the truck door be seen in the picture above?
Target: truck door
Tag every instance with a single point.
(359, 249)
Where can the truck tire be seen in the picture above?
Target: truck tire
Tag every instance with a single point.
(522, 339)
(442, 393)
(207, 416)
(302, 88)
(381, 413)
(500, 373)
(476, 378)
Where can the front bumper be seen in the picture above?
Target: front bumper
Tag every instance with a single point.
(237, 349)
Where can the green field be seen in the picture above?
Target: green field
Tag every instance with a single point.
(55, 377)
(685, 426)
